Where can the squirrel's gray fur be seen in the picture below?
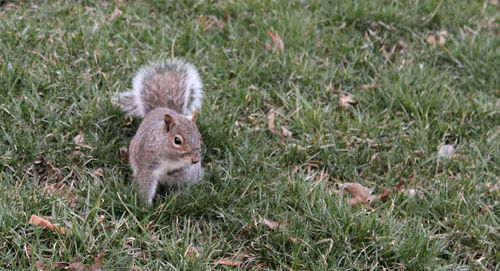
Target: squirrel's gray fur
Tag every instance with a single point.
(166, 148)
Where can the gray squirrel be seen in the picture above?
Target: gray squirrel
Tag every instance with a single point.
(166, 148)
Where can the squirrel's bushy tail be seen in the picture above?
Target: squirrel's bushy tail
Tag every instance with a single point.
(172, 83)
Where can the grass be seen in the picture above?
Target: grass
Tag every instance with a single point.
(63, 61)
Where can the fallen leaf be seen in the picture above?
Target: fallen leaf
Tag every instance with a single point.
(38, 221)
(39, 266)
(124, 154)
(274, 225)
(76, 266)
(227, 261)
(400, 185)
(260, 265)
(192, 253)
(98, 262)
(446, 151)
(286, 133)
(227, 17)
(253, 87)
(411, 192)
(431, 39)
(441, 40)
(116, 12)
(360, 194)
(270, 122)
(97, 172)
(27, 251)
(278, 42)
(211, 21)
(79, 139)
(443, 33)
(346, 101)
(384, 195)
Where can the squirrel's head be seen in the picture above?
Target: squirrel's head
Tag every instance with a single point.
(183, 138)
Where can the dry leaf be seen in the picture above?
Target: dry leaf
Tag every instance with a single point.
(98, 262)
(117, 12)
(79, 139)
(124, 155)
(39, 266)
(431, 39)
(260, 265)
(97, 172)
(400, 185)
(192, 253)
(227, 17)
(38, 221)
(227, 261)
(278, 42)
(411, 192)
(384, 195)
(360, 194)
(76, 266)
(286, 133)
(441, 40)
(446, 151)
(274, 225)
(270, 122)
(27, 251)
(346, 101)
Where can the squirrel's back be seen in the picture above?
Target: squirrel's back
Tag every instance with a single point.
(171, 83)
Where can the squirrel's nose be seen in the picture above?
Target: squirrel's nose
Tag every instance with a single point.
(195, 159)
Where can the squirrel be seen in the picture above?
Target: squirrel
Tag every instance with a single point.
(166, 147)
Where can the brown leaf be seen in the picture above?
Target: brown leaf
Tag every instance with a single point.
(97, 172)
(286, 133)
(274, 225)
(346, 101)
(76, 266)
(38, 221)
(384, 195)
(446, 151)
(278, 42)
(260, 265)
(124, 155)
(360, 194)
(79, 139)
(117, 12)
(227, 17)
(39, 266)
(400, 185)
(227, 261)
(441, 40)
(431, 39)
(270, 122)
(98, 262)
(192, 253)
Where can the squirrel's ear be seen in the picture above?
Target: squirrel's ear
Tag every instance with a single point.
(193, 118)
(169, 122)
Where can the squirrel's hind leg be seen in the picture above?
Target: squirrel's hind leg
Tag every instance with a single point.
(148, 183)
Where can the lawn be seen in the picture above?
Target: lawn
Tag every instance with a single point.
(372, 92)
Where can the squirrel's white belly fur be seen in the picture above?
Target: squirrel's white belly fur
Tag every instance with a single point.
(178, 174)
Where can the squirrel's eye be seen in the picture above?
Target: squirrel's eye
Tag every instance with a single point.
(177, 141)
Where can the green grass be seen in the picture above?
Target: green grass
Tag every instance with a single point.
(61, 62)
